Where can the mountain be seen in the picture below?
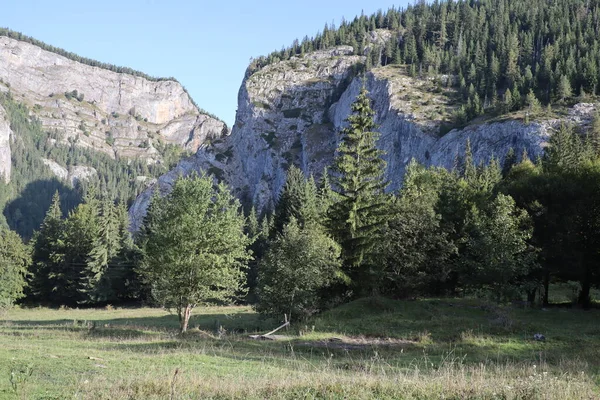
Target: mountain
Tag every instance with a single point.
(499, 74)
(67, 122)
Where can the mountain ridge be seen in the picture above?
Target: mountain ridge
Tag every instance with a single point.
(67, 126)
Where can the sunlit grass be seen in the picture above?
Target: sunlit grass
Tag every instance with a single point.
(372, 348)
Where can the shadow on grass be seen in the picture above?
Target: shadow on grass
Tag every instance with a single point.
(140, 328)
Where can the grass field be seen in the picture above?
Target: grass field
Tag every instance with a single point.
(371, 348)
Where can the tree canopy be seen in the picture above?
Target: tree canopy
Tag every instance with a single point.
(195, 249)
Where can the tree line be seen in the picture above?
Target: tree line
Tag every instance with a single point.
(500, 53)
(504, 231)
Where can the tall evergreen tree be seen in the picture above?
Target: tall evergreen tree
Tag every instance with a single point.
(102, 256)
(48, 256)
(14, 261)
(299, 199)
(357, 218)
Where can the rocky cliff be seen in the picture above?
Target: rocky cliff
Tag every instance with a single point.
(115, 113)
(291, 112)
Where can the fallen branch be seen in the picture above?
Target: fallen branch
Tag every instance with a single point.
(266, 335)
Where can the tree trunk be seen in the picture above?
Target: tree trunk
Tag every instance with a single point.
(531, 297)
(546, 287)
(584, 294)
(185, 319)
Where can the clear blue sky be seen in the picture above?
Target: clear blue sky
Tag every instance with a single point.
(206, 45)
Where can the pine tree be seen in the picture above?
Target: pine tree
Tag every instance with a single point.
(81, 230)
(564, 90)
(470, 171)
(48, 256)
(509, 160)
(14, 261)
(125, 283)
(358, 179)
(507, 103)
(325, 196)
(106, 246)
(299, 199)
(533, 103)
(594, 134)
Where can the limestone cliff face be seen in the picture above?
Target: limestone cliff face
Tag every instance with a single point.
(5, 136)
(119, 114)
(292, 111)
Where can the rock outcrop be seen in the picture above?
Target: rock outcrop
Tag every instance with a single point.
(73, 174)
(292, 111)
(5, 136)
(116, 113)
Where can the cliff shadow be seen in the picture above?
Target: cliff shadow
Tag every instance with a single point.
(25, 213)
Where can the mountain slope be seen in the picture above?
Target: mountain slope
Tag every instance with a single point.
(289, 113)
(439, 75)
(68, 123)
(119, 114)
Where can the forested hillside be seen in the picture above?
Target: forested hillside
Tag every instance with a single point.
(25, 200)
(495, 48)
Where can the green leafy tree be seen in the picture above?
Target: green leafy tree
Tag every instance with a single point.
(14, 262)
(416, 248)
(195, 248)
(497, 255)
(358, 217)
(299, 263)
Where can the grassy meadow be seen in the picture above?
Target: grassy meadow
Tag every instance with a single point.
(371, 348)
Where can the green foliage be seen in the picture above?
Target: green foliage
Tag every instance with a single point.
(299, 200)
(299, 263)
(417, 250)
(533, 104)
(48, 255)
(357, 217)
(562, 195)
(195, 248)
(14, 261)
(497, 254)
(27, 197)
(492, 46)
(564, 90)
(86, 258)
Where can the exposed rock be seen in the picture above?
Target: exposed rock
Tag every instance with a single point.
(81, 173)
(5, 136)
(72, 175)
(133, 111)
(290, 112)
(58, 170)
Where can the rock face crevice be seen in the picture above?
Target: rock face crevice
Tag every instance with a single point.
(119, 114)
(291, 112)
